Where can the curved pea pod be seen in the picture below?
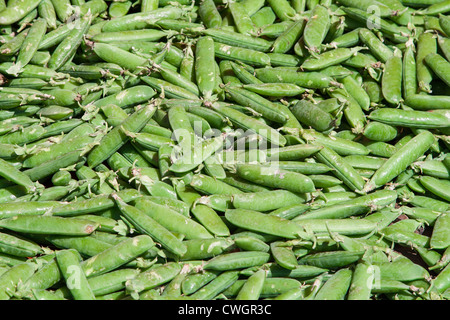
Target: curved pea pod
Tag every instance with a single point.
(10, 173)
(30, 45)
(243, 121)
(117, 255)
(411, 118)
(237, 260)
(266, 200)
(111, 281)
(121, 57)
(260, 222)
(272, 287)
(426, 44)
(13, 276)
(439, 65)
(329, 58)
(117, 137)
(401, 269)
(128, 97)
(275, 89)
(198, 153)
(442, 280)
(312, 80)
(378, 131)
(69, 263)
(201, 249)
(241, 18)
(173, 220)
(438, 187)
(142, 20)
(403, 158)
(209, 14)
(210, 220)
(317, 27)
(288, 38)
(64, 51)
(25, 136)
(361, 282)
(217, 285)
(238, 39)
(153, 277)
(248, 56)
(283, 255)
(256, 102)
(49, 225)
(331, 259)
(380, 50)
(345, 226)
(276, 178)
(252, 288)
(311, 115)
(17, 10)
(147, 225)
(336, 287)
(15, 246)
(391, 82)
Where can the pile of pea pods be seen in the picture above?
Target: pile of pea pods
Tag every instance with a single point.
(224, 150)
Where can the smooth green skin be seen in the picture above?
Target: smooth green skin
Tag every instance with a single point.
(345, 226)
(196, 280)
(361, 283)
(331, 259)
(123, 58)
(202, 249)
(142, 20)
(210, 186)
(153, 277)
(241, 18)
(117, 137)
(312, 80)
(117, 255)
(11, 209)
(437, 8)
(439, 187)
(252, 288)
(365, 162)
(260, 222)
(311, 115)
(243, 75)
(13, 276)
(249, 243)
(329, 58)
(265, 201)
(336, 287)
(49, 225)
(44, 277)
(391, 82)
(343, 170)
(426, 44)
(17, 10)
(275, 89)
(248, 56)
(276, 178)
(112, 281)
(10, 244)
(86, 246)
(68, 46)
(289, 38)
(317, 27)
(172, 220)
(442, 280)
(69, 263)
(31, 42)
(409, 71)
(10, 173)
(272, 287)
(378, 131)
(341, 146)
(439, 65)
(209, 14)
(283, 256)
(245, 122)
(357, 91)
(265, 107)
(237, 260)
(216, 286)
(210, 220)
(411, 118)
(403, 158)
(238, 39)
(282, 9)
(376, 46)
(401, 269)
(152, 228)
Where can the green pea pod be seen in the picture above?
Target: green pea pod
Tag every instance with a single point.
(70, 44)
(400, 160)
